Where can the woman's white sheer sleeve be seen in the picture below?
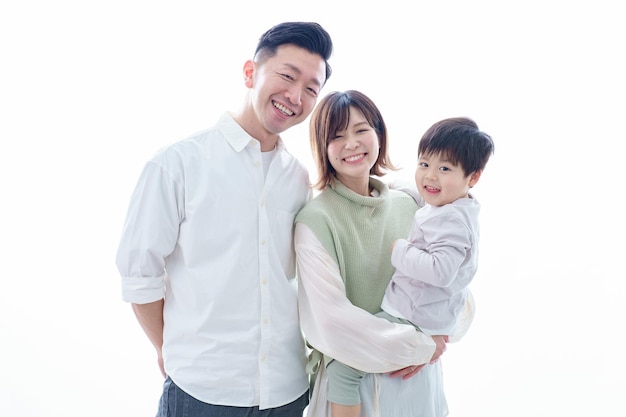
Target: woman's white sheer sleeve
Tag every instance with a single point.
(337, 328)
(465, 319)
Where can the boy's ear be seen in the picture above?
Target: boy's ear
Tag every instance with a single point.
(248, 73)
(474, 177)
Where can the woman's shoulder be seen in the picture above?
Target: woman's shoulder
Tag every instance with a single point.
(316, 206)
(402, 199)
(393, 193)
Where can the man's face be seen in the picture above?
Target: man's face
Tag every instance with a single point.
(285, 87)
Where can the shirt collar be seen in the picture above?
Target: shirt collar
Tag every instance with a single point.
(237, 137)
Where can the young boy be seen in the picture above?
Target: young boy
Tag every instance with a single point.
(435, 265)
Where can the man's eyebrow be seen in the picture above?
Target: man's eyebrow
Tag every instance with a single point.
(299, 72)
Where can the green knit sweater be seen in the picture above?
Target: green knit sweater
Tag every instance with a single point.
(358, 231)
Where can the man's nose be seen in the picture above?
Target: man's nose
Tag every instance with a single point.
(294, 94)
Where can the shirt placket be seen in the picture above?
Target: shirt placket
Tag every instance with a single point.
(264, 284)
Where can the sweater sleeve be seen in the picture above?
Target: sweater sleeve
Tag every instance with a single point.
(337, 328)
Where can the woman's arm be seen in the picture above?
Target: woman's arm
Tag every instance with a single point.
(334, 326)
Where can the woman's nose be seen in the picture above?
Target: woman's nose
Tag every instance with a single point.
(351, 143)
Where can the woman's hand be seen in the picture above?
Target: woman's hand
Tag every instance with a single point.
(441, 347)
(409, 371)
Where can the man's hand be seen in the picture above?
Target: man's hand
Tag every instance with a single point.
(160, 362)
(150, 317)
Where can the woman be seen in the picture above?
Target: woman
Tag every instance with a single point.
(343, 240)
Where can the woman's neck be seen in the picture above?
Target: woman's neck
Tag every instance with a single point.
(358, 185)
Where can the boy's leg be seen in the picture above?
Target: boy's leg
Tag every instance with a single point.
(343, 383)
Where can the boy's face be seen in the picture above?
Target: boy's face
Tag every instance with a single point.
(440, 182)
(284, 88)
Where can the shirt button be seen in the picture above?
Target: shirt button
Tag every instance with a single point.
(264, 281)
(263, 242)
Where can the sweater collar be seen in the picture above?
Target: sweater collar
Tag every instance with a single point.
(376, 184)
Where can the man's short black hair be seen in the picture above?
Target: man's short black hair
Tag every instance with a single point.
(308, 35)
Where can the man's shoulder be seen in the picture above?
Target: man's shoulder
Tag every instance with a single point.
(190, 145)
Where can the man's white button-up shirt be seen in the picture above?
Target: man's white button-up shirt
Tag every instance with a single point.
(211, 234)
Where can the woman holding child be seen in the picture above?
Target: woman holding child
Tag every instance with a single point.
(343, 240)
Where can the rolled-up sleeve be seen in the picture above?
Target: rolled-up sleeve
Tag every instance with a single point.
(149, 235)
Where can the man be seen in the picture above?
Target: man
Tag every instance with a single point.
(206, 254)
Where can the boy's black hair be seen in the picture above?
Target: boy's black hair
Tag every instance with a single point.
(460, 141)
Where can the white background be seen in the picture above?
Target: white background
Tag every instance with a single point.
(90, 90)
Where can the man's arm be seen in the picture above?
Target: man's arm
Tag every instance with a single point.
(150, 317)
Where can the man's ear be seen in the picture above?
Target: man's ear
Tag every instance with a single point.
(474, 177)
(248, 73)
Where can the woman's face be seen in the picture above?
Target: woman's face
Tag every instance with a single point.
(354, 151)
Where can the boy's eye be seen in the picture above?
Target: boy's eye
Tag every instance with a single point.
(444, 169)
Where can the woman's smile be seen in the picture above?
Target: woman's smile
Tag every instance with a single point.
(355, 158)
